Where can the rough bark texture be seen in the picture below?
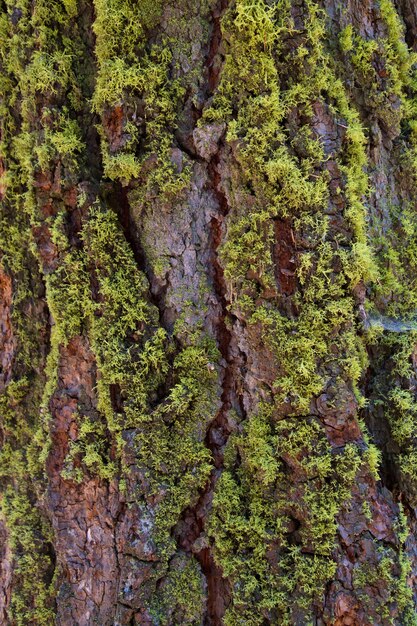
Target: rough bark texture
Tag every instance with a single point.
(208, 293)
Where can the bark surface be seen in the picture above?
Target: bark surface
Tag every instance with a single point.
(208, 303)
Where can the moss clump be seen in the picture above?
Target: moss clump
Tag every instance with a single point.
(122, 316)
(132, 76)
(184, 583)
(275, 545)
(287, 478)
(383, 67)
(166, 387)
(170, 440)
(29, 532)
(281, 174)
(395, 294)
(393, 571)
(38, 50)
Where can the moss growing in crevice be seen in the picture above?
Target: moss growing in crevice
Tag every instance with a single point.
(160, 388)
(394, 298)
(277, 82)
(33, 599)
(184, 583)
(393, 571)
(28, 529)
(136, 96)
(274, 516)
(382, 67)
(157, 390)
(36, 66)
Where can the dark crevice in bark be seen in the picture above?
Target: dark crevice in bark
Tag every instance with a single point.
(284, 254)
(50, 553)
(118, 199)
(115, 397)
(378, 426)
(116, 521)
(87, 73)
(219, 429)
(188, 532)
(218, 592)
(215, 42)
(192, 525)
(408, 11)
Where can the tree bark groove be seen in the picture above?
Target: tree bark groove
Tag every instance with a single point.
(208, 294)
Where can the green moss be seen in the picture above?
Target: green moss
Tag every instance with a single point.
(89, 452)
(275, 545)
(392, 571)
(130, 72)
(170, 440)
(346, 38)
(136, 357)
(284, 186)
(36, 67)
(184, 585)
(28, 533)
(123, 319)
(279, 173)
(400, 60)
(383, 86)
(256, 503)
(395, 293)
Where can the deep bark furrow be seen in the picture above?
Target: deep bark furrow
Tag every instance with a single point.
(208, 369)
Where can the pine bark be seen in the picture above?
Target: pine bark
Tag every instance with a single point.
(208, 295)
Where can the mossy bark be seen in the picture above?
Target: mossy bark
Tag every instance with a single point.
(208, 303)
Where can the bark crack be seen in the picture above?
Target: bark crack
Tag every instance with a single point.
(191, 531)
(118, 198)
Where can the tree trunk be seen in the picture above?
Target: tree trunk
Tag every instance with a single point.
(208, 283)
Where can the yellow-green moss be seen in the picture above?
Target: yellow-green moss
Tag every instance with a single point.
(166, 385)
(136, 356)
(33, 597)
(318, 343)
(36, 63)
(393, 572)
(395, 294)
(29, 532)
(257, 502)
(130, 72)
(181, 597)
(383, 67)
